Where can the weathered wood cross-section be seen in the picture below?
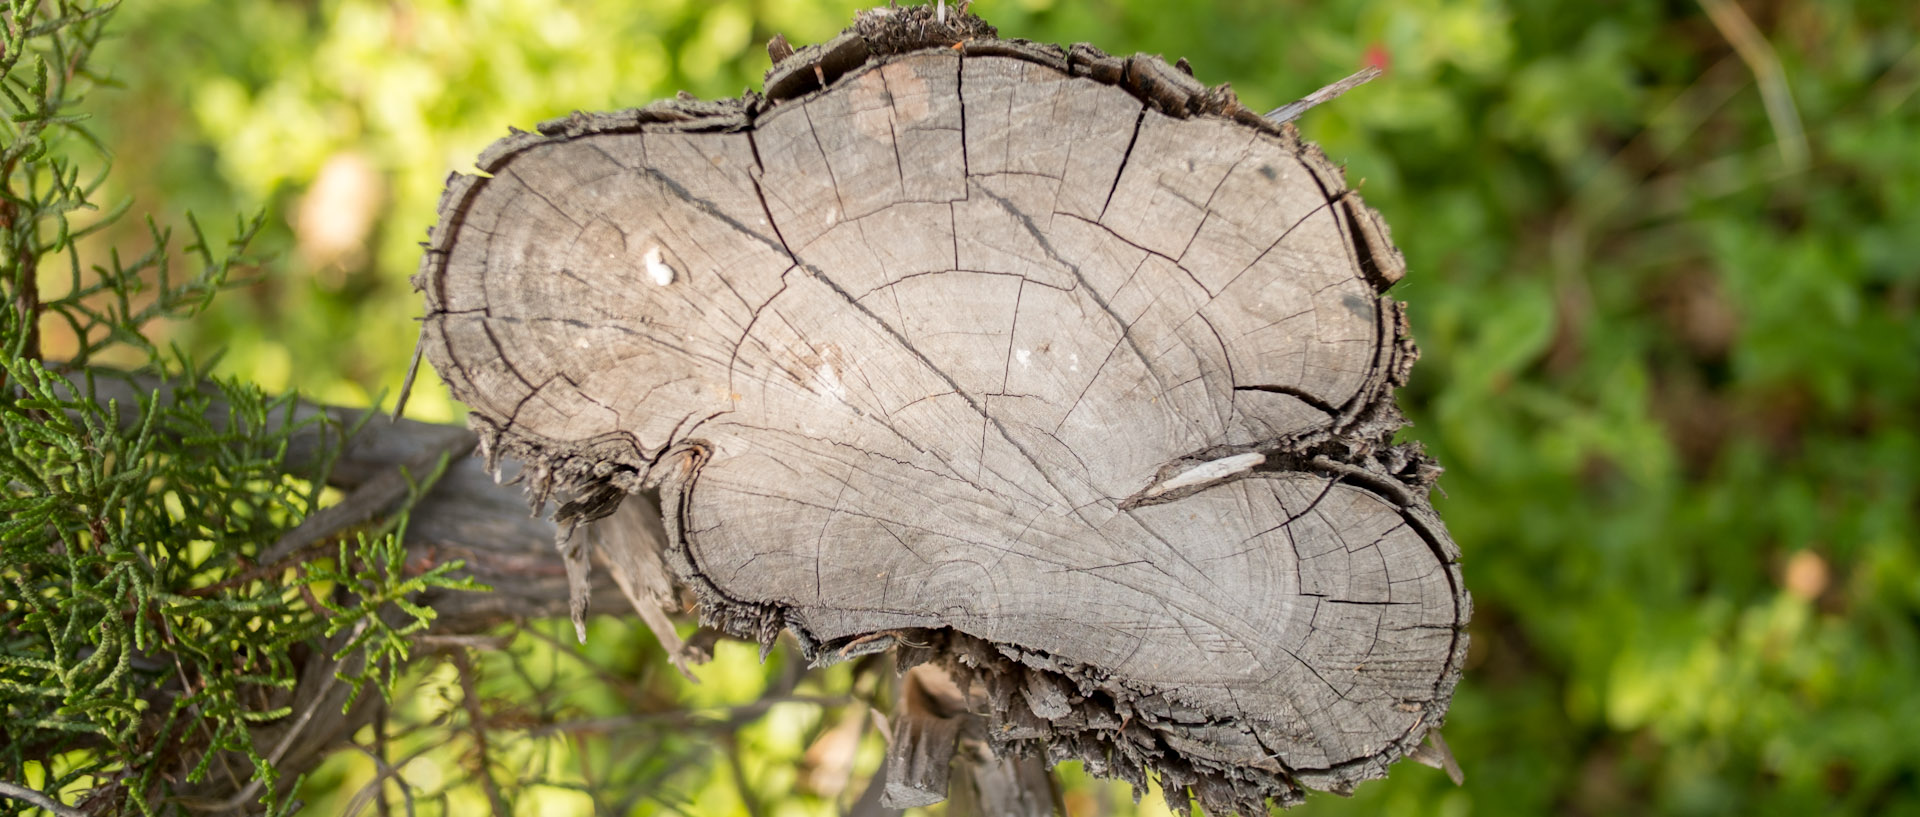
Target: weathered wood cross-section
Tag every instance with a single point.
(1059, 370)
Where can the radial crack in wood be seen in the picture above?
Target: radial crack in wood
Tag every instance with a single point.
(1059, 370)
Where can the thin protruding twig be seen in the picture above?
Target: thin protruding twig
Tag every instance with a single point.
(385, 770)
(1764, 62)
(37, 800)
(747, 798)
(413, 368)
(380, 759)
(437, 641)
(470, 699)
(1293, 110)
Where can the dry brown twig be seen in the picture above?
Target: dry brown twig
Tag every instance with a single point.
(1764, 62)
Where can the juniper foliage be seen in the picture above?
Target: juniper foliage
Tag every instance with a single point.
(143, 632)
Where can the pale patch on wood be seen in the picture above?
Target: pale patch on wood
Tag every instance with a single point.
(657, 269)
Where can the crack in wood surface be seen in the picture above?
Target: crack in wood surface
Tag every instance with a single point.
(883, 398)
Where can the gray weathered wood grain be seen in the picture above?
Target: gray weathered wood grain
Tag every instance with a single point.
(1075, 371)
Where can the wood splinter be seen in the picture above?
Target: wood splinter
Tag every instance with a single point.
(1208, 472)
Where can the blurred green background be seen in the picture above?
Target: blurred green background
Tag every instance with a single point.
(1665, 260)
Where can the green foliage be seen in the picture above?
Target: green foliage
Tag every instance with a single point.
(372, 568)
(39, 188)
(117, 536)
(140, 636)
(1674, 371)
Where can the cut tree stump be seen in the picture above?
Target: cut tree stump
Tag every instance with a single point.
(1061, 371)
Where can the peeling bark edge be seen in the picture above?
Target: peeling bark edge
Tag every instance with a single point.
(1355, 450)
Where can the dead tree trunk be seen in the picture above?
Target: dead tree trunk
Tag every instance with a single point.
(1060, 370)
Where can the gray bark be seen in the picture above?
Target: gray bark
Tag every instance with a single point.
(1062, 371)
